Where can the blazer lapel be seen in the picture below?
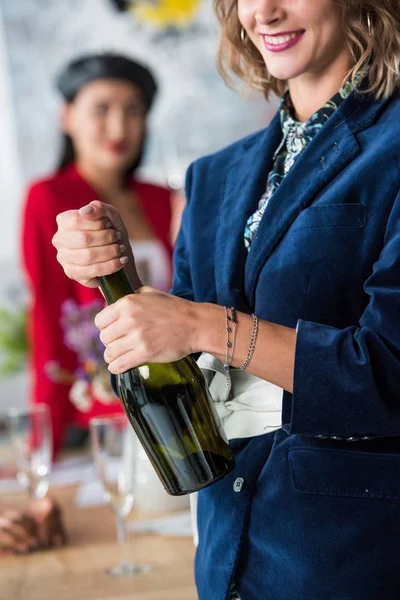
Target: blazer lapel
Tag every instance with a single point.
(244, 185)
(326, 156)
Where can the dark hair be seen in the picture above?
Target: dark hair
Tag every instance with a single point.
(103, 66)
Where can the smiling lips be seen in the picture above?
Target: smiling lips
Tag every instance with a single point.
(282, 41)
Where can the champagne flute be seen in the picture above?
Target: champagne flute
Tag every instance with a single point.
(31, 442)
(115, 451)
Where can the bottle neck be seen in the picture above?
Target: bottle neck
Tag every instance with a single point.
(115, 286)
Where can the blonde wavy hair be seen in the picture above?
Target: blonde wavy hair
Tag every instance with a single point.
(372, 29)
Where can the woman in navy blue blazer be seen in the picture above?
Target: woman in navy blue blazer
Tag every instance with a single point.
(296, 231)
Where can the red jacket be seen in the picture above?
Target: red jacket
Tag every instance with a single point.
(50, 287)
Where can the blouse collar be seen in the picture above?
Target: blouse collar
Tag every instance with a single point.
(293, 129)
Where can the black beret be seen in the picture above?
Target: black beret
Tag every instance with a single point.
(106, 66)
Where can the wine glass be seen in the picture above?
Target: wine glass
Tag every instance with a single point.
(115, 451)
(31, 442)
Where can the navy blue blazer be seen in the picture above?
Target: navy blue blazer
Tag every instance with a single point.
(326, 258)
(318, 516)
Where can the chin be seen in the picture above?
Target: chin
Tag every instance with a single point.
(285, 72)
(115, 162)
(287, 67)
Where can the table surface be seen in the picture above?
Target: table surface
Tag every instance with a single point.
(76, 572)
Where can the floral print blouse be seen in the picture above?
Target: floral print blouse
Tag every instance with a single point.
(296, 136)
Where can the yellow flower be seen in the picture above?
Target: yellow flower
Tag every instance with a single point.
(166, 13)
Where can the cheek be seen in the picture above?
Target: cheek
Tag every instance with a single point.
(135, 131)
(88, 131)
(327, 43)
(326, 23)
(246, 11)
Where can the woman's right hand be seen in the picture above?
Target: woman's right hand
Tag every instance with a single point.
(92, 242)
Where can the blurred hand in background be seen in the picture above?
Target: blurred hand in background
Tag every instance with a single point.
(39, 527)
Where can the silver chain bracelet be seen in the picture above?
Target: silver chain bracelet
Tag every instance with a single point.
(252, 345)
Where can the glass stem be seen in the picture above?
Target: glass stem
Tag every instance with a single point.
(122, 537)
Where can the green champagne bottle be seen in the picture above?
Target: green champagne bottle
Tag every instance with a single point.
(170, 408)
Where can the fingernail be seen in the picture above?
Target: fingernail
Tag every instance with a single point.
(119, 235)
(124, 260)
(122, 248)
(85, 210)
(108, 225)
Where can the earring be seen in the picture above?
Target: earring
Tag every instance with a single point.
(242, 35)
(369, 22)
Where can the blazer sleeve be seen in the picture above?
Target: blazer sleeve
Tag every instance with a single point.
(347, 382)
(182, 281)
(49, 287)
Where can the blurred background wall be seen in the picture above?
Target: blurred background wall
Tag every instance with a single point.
(195, 112)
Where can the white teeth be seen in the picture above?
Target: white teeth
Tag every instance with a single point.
(280, 39)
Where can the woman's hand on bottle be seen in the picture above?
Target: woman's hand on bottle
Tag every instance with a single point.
(149, 326)
(92, 242)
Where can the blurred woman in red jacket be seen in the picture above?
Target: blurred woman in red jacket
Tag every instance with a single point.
(106, 102)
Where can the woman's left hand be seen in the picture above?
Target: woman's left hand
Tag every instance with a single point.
(149, 326)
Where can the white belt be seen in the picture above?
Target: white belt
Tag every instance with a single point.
(248, 406)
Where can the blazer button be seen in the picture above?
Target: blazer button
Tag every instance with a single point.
(238, 485)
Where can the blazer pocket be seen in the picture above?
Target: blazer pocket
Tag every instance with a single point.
(340, 216)
(345, 473)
